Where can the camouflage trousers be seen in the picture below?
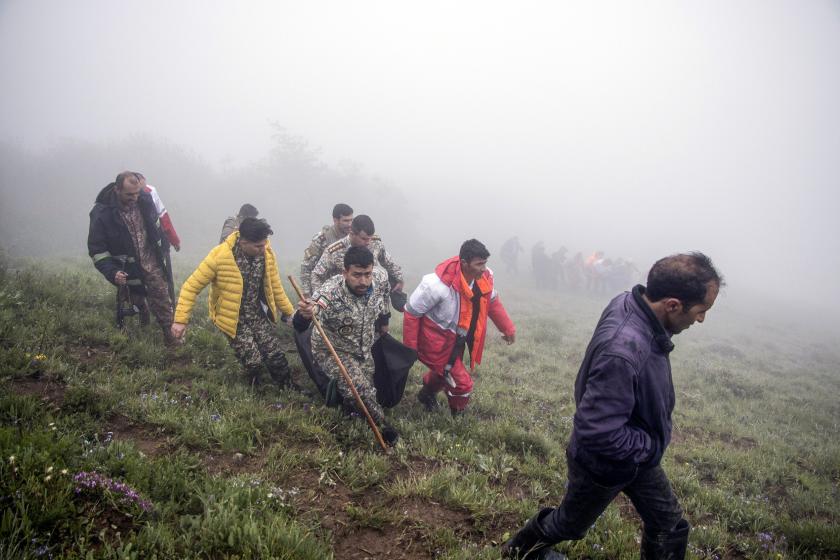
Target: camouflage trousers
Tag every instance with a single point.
(361, 372)
(256, 343)
(156, 297)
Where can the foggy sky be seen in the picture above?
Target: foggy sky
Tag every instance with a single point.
(639, 128)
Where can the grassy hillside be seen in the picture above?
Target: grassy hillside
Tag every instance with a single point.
(110, 447)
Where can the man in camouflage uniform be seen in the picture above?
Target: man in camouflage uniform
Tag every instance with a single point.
(232, 222)
(243, 272)
(361, 234)
(342, 221)
(129, 248)
(351, 308)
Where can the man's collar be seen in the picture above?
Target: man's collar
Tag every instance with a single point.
(660, 335)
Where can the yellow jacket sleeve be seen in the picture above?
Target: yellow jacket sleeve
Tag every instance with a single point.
(198, 280)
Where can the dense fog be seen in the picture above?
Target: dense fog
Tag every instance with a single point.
(636, 129)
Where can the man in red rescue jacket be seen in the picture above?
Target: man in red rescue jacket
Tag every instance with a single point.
(447, 313)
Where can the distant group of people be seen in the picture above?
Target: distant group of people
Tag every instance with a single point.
(350, 283)
(595, 273)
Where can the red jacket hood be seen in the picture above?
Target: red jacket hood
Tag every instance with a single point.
(449, 272)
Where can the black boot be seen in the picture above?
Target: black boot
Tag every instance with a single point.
(252, 376)
(390, 435)
(531, 543)
(456, 413)
(280, 372)
(666, 546)
(428, 399)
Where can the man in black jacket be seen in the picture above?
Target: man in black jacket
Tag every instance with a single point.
(622, 425)
(128, 247)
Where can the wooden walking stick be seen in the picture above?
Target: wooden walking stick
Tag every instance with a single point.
(344, 374)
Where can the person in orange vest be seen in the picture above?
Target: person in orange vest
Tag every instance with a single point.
(447, 314)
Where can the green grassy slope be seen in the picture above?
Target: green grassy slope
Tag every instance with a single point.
(190, 462)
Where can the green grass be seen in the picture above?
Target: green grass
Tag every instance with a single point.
(235, 473)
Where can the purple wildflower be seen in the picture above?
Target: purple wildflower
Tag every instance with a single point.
(94, 480)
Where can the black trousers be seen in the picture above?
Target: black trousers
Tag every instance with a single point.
(585, 499)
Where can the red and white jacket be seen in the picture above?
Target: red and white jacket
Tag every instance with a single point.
(431, 316)
(163, 216)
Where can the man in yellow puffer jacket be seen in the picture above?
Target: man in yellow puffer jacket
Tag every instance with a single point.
(245, 296)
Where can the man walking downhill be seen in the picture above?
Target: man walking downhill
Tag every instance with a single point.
(128, 247)
(625, 396)
(246, 296)
(446, 314)
(352, 310)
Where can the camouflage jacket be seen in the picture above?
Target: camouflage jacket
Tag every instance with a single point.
(332, 261)
(327, 236)
(349, 320)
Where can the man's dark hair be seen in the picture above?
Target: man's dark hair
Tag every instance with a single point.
(140, 176)
(363, 223)
(684, 276)
(248, 211)
(359, 256)
(340, 210)
(473, 249)
(122, 177)
(254, 229)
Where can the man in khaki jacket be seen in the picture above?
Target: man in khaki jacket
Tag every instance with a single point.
(245, 296)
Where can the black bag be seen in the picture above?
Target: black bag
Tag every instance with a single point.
(398, 300)
(393, 361)
(303, 341)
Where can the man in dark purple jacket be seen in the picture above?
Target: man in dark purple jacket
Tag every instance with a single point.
(622, 426)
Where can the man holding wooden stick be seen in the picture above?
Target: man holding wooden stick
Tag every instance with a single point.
(352, 309)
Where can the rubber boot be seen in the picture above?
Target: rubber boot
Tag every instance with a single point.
(531, 543)
(456, 412)
(666, 546)
(428, 399)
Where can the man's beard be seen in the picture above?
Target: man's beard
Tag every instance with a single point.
(356, 291)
